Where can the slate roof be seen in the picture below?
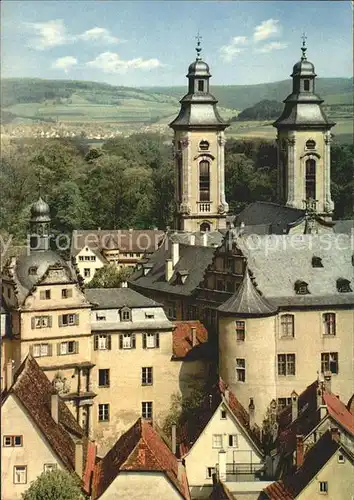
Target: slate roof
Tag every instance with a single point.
(344, 226)
(189, 432)
(247, 301)
(277, 262)
(194, 259)
(114, 298)
(294, 483)
(269, 218)
(182, 338)
(139, 449)
(126, 240)
(34, 390)
(213, 238)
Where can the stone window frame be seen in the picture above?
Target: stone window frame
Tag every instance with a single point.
(24, 467)
(329, 324)
(287, 326)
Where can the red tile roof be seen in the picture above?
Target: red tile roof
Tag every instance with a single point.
(339, 412)
(139, 449)
(34, 390)
(350, 405)
(182, 337)
(90, 467)
(189, 432)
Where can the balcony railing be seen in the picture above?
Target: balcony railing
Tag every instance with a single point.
(204, 206)
(243, 472)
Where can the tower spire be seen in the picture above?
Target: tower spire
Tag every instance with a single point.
(303, 48)
(198, 47)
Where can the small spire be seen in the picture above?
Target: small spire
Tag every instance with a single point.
(39, 183)
(198, 47)
(303, 48)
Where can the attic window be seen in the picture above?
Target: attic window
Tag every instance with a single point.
(301, 287)
(343, 285)
(149, 315)
(125, 314)
(32, 271)
(316, 261)
(310, 144)
(204, 145)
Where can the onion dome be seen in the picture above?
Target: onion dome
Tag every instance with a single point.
(40, 211)
(199, 68)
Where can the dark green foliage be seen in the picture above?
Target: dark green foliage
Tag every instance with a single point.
(55, 485)
(263, 110)
(109, 277)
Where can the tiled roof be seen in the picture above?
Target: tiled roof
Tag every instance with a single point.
(112, 298)
(139, 449)
(350, 405)
(182, 337)
(339, 412)
(134, 240)
(317, 456)
(34, 390)
(277, 262)
(275, 217)
(246, 301)
(190, 431)
(343, 226)
(192, 258)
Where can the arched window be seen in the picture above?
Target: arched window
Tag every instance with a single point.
(204, 145)
(310, 180)
(204, 181)
(306, 85)
(204, 227)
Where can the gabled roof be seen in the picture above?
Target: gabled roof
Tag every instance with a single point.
(115, 298)
(125, 240)
(139, 449)
(192, 258)
(34, 390)
(190, 431)
(315, 459)
(246, 301)
(183, 338)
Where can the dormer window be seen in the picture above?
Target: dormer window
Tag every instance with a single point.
(125, 314)
(310, 144)
(32, 271)
(316, 261)
(200, 85)
(343, 285)
(301, 287)
(204, 145)
(181, 277)
(149, 315)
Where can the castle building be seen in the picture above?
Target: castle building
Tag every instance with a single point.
(304, 145)
(199, 155)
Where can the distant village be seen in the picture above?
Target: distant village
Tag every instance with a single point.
(222, 367)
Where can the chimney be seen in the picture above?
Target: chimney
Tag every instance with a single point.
(204, 239)
(299, 450)
(175, 253)
(194, 335)
(294, 406)
(168, 269)
(327, 381)
(319, 394)
(227, 395)
(192, 239)
(251, 409)
(222, 465)
(323, 411)
(174, 438)
(54, 407)
(335, 434)
(9, 374)
(79, 458)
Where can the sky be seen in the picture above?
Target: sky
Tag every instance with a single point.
(151, 43)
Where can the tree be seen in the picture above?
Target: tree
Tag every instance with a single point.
(109, 276)
(183, 409)
(55, 485)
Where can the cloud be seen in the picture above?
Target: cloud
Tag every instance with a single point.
(54, 33)
(228, 52)
(272, 46)
(266, 30)
(110, 62)
(49, 34)
(99, 35)
(65, 63)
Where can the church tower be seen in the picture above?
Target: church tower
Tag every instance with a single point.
(199, 155)
(304, 145)
(40, 226)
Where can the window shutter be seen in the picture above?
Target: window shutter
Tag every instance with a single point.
(76, 319)
(49, 321)
(109, 342)
(70, 293)
(50, 349)
(133, 341)
(120, 341)
(33, 323)
(95, 343)
(60, 320)
(157, 339)
(144, 340)
(77, 347)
